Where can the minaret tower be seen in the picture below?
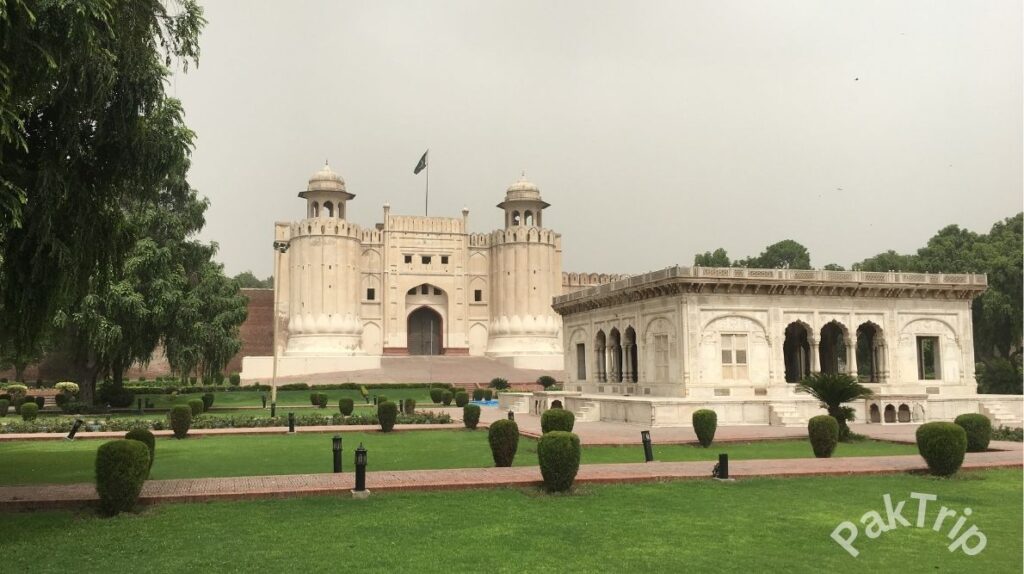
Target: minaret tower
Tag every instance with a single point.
(525, 274)
(324, 275)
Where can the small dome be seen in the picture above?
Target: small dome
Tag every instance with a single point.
(523, 186)
(326, 180)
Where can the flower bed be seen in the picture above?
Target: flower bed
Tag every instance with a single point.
(205, 422)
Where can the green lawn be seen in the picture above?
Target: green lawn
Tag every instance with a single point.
(30, 462)
(754, 525)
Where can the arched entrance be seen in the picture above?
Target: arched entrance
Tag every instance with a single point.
(424, 332)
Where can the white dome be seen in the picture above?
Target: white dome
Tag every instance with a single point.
(326, 180)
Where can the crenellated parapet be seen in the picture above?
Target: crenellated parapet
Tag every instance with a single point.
(420, 224)
(572, 281)
(522, 234)
(327, 226)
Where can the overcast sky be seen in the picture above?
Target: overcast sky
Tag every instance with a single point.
(655, 129)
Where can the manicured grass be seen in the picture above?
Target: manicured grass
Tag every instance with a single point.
(31, 462)
(754, 525)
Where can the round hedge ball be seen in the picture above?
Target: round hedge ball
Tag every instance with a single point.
(346, 406)
(121, 468)
(557, 420)
(559, 455)
(503, 436)
(823, 430)
(146, 438)
(942, 445)
(471, 416)
(705, 423)
(29, 411)
(387, 414)
(978, 429)
(181, 420)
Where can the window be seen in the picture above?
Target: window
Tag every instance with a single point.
(928, 359)
(371, 294)
(424, 289)
(425, 259)
(408, 258)
(734, 357)
(478, 295)
(661, 358)
(581, 362)
(437, 291)
(444, 260)
(412, 291)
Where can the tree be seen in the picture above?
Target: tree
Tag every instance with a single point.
(85, 127)
(834, 390)
(834, 267)
(718, 258)
(246, 280)
(1000, 376)
(998, 311)
(786, 254)
(888, 261)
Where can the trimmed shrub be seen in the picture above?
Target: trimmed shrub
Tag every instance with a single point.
(823, 430)
(192, 380)
(314, 399)
(556, 404)
(382, 399)
(322, 400)
(461, 399)
(498, 383)
(207, 401)
(978, 429)
(16, 391)
(446, 398)
(435, 396)
(387, 414)
(478, 394)
(471, 416)
(40, 401)
(557, 420)
(5, 405)
(196, 405)
(181, 420)
(365, 393)
(488, 394)
(29, 399)
(705, 423)
(559, 456)
(146, 438)
(942, 445)
(346, 406)
(546, 381)
(29, 411)
(410, 406)
(121, 468)
(235, 379)
(503, 436)
(67, 388)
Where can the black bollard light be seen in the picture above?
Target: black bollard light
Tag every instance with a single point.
(374, 399)
(74, 429)
(511, 415)
(140, 406)
(273, 410)
(721, 470)
(645, 436)
(360, 468)
(291, 422)
(401, 406)
(336, 447)
(264, 399)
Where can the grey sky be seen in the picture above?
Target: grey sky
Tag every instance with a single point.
(851, 127)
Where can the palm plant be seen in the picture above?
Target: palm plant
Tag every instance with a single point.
(834, 389)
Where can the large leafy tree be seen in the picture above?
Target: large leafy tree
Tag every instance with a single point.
(718, 258)
(246, 280)
(86, 128)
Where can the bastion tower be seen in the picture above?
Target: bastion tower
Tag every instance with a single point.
(323, 273)
(526, 273)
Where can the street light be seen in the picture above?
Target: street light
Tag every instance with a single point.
(336, 448)
(280, 247)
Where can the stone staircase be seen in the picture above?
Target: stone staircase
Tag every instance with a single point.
(590, 412)
(998, 414)
(784, 415)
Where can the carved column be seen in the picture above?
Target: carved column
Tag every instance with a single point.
(815, 355)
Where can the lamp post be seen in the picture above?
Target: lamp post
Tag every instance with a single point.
(280, 247)
(74, 429)
(360, 490)
(511, 415)
(336, 448)
(291, 423)
(645, 436)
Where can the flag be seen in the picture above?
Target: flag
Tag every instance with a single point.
(422, 164)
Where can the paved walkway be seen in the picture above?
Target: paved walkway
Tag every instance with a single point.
(37, 497)
(230, 431)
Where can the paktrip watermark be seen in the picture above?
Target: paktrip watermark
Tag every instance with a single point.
(970, 541)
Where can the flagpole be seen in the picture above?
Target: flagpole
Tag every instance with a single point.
(426, 199)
